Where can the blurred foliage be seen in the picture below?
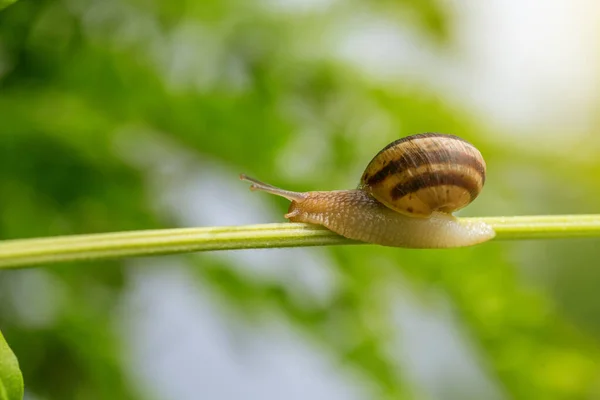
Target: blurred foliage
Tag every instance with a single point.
(241, 83)
(6, 3)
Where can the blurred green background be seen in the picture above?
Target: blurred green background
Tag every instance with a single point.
(137, 114)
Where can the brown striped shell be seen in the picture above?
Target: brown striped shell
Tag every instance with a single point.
(423, 173)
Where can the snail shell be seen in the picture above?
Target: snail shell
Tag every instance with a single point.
(420, 174)
(406, 196)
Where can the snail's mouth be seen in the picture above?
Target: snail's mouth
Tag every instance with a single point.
(293, 212)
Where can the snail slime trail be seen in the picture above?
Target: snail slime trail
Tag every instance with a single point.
(406, 196)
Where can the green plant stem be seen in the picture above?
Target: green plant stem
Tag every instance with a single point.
(27, 252)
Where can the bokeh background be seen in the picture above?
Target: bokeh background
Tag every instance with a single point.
(137, 114)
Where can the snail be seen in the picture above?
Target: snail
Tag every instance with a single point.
(405, 198)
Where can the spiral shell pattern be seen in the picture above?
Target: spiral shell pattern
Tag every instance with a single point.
(421, 174)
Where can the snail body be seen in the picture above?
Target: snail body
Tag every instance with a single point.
(405, 198)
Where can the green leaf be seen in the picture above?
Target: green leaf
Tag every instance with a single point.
(11, 380)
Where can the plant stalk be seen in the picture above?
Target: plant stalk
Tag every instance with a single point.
(29, 252)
